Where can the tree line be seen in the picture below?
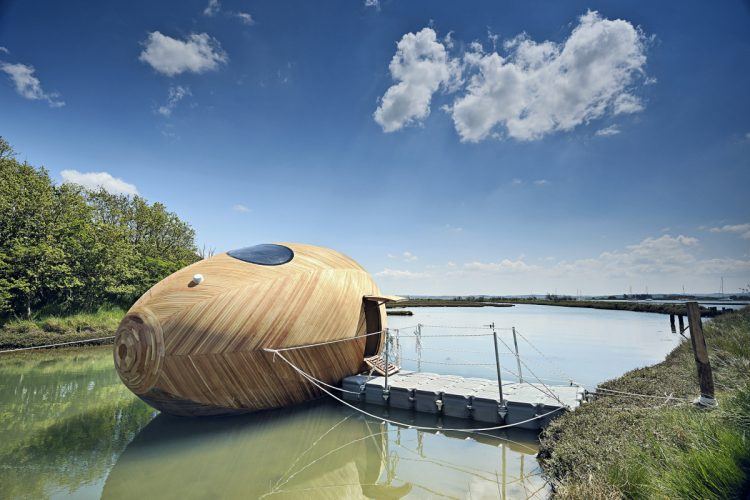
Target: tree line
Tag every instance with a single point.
(65, 249)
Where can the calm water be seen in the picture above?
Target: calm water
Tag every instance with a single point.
(68, 427)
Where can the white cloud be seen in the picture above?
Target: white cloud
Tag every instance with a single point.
(169, 56)
(608, 131)
(399, 273)
(373, 3)
(27, 85)
(245, 18)
(405, 256)
(175, 94)
(453, 229)
(742, 229)
(4, 50)
(516, 182)
(541, 182)
(96, 180)
(239, 207)
(212, 8)
(420, 66)
(503, 266)
(544, 87)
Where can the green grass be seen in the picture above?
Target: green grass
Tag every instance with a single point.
(57, 329)
(619, 447)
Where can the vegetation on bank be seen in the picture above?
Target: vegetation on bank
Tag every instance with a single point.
(64, 249)
(637, 447)
(660, 308)
(47, 330)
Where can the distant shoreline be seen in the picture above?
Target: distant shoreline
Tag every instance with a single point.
(659, 308)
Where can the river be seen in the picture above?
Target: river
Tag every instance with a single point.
(69, 428)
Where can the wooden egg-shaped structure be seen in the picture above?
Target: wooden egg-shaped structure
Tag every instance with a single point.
(194, 343)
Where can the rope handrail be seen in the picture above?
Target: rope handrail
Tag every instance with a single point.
(560, 371)
(461, 363)
(314, 381)
(317, 344)
(549, 391)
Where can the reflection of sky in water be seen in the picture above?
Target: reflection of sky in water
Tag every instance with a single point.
(588, 344)
(68, 427)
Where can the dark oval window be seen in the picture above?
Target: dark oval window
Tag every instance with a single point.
(265, 255)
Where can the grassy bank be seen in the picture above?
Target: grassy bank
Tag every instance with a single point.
(621, 446)
(59, 329)
(591, 304)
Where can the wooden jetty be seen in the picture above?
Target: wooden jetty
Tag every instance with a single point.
(524, 405)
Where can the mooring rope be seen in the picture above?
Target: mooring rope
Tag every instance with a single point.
(56, 345)
(635, 394)
(313, 380)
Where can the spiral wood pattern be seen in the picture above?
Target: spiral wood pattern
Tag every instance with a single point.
(198, 349)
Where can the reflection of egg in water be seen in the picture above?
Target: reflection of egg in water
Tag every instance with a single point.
(194, 343)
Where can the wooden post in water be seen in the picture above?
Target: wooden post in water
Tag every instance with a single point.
(671, 321)
(682, 324)
(705, 376)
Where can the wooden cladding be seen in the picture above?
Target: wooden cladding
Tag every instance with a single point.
(198, 349)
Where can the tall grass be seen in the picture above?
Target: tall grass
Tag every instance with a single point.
(634, 448)
(57, 329)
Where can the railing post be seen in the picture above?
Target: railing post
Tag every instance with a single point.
(497, 364)
(705, 375)
(386, 390)
(419, 347)
(518, 358)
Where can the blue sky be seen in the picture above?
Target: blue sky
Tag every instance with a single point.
(503, 148)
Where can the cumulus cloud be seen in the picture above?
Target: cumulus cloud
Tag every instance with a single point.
(212, 8)
(608, 131)
(421, 66)
(742, 229)
(543, 87)
(239, 207)
(97, 180)
(529, 90)
(169, 56)
(27, 85)
(373, 3)
(175, 94)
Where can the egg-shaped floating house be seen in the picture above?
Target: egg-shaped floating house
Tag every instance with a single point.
(194, 343)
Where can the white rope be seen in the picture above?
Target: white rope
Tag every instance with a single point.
(329, 341)
(462, 363)
(56, 345)
(549, 391)
(452, 336)
(560, 371)
(312, 379)
(635, 394)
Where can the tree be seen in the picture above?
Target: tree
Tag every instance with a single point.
(63, 248)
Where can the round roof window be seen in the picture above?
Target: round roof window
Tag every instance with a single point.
(265, 255)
